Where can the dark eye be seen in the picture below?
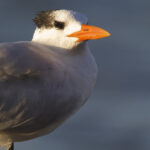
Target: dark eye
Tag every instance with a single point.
(59, 25)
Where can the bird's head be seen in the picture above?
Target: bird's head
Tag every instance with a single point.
(64, 29)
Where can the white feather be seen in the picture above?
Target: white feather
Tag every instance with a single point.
(58, 38)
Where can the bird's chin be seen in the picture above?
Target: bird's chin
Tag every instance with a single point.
(80, 45)
(82, 42)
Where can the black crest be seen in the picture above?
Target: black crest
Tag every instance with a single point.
(44, 19)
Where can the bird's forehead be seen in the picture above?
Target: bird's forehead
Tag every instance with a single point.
(64, 15)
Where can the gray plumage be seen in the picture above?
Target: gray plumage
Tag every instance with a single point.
(41, 86)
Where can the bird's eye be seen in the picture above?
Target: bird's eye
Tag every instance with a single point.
(59, 25)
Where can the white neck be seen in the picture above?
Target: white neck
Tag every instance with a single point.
(50, 37)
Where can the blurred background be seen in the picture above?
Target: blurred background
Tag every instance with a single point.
(117, 115)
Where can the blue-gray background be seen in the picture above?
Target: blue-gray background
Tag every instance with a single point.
(117, 115)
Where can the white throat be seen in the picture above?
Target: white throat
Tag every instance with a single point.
(54, 38)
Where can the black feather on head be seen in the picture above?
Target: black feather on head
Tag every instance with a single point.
(44, 19)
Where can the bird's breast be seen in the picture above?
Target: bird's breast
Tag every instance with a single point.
(37, 106)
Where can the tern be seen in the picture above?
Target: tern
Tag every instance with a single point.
(46, 80)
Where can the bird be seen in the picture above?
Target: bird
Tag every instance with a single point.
(45, 81)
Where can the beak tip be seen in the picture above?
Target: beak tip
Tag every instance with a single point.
(108, 34)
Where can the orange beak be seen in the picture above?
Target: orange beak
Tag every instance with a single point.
(88, 32)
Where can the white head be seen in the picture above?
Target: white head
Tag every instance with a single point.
(56, 28)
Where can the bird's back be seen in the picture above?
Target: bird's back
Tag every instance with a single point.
(41, 86)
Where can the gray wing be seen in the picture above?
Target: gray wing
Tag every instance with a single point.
(28, 74)
(22, 60)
